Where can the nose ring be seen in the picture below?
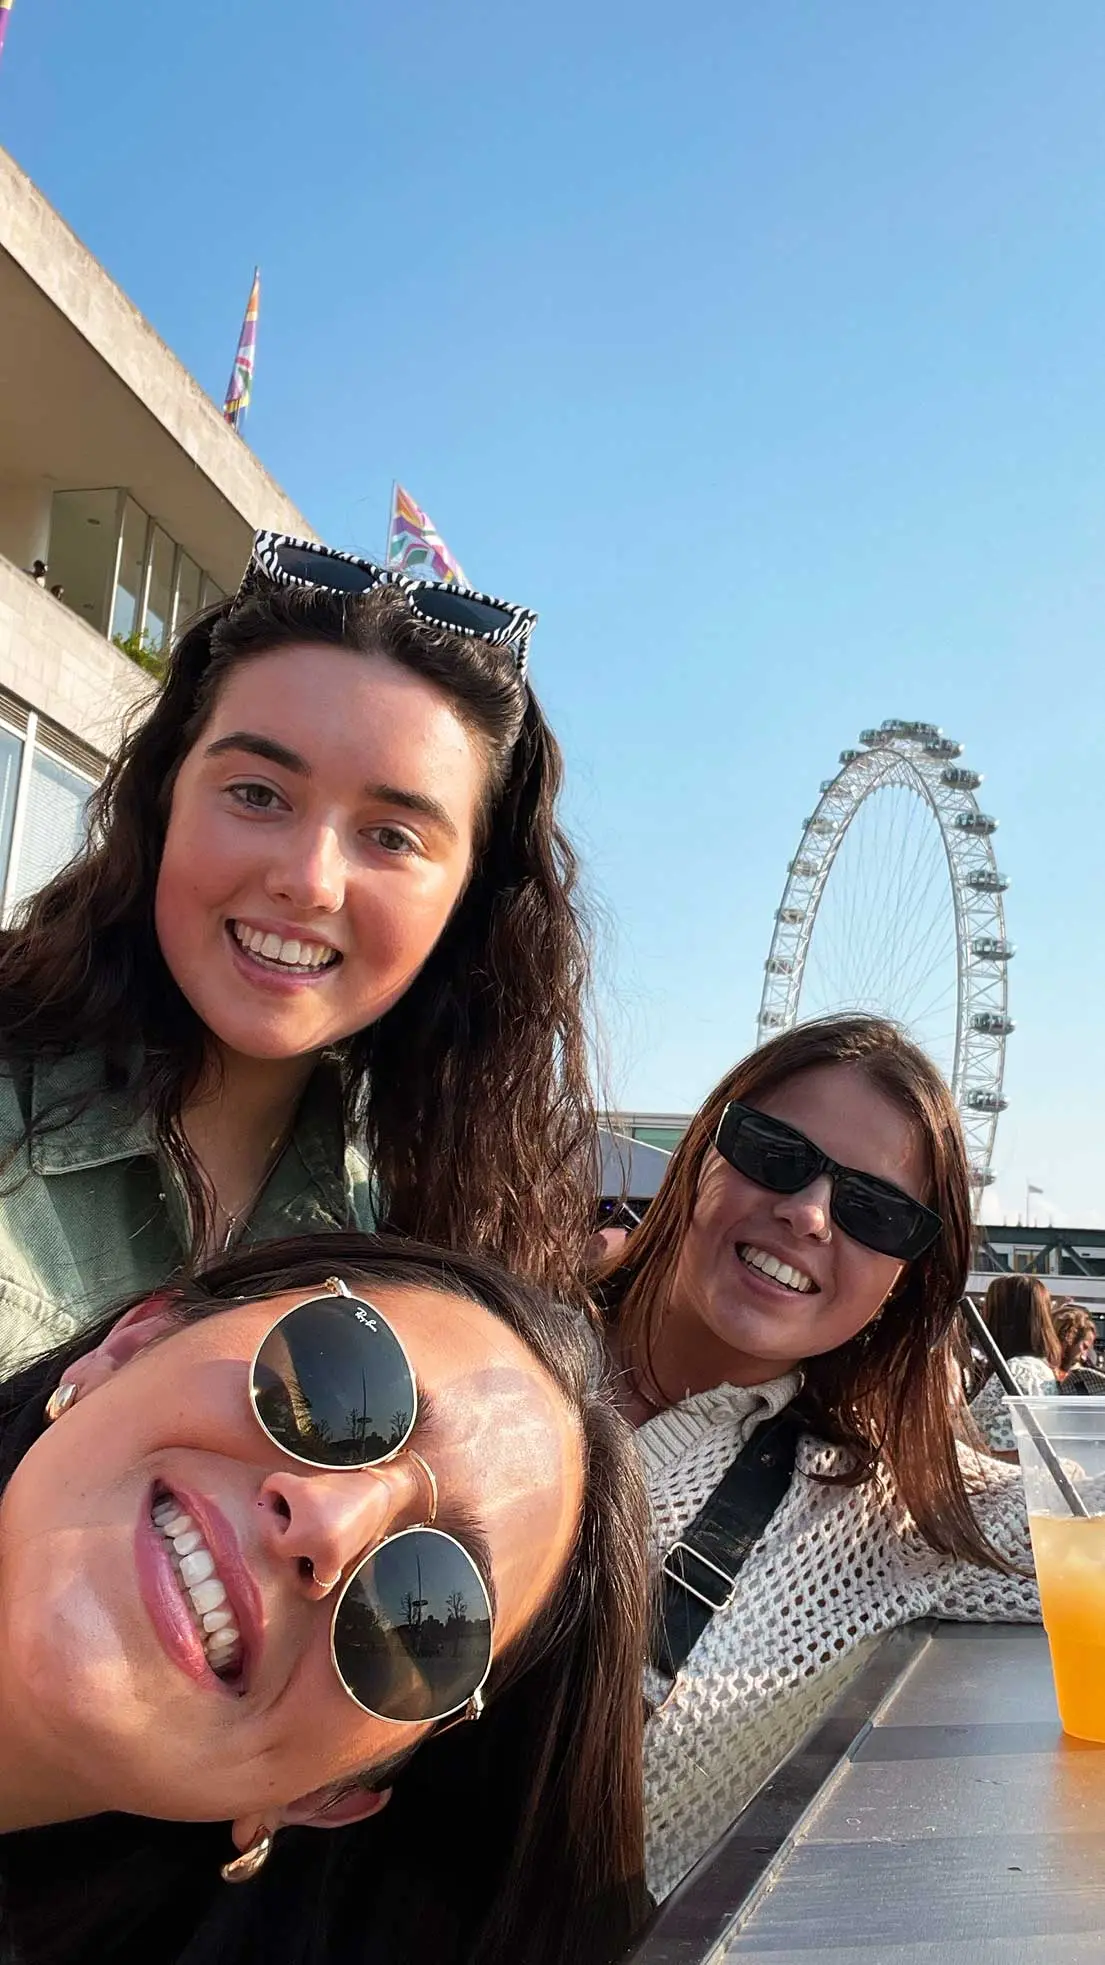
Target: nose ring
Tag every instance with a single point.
(324, 1585)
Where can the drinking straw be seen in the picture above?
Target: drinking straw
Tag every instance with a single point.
(1050, 1458)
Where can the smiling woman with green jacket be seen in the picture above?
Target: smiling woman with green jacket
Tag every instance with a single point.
(324, 923)
(91, 1215)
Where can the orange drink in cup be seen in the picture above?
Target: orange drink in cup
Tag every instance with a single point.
(1069, 1548)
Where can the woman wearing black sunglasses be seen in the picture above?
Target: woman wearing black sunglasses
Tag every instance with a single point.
(261, 1542)
(805, 1256)
(320, 962)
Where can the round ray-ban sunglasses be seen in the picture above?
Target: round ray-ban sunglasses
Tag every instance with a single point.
(287, 562)
(872, 1211)
(410, 1636)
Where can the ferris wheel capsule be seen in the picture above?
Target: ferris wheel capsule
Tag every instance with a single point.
(990, 1024)
(993, 948)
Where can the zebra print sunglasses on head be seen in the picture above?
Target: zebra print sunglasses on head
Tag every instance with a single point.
(287, 562)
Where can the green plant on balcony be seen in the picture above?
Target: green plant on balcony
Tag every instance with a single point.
(139, 648)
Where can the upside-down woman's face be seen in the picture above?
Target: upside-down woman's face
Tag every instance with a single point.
(320, 836)
(744, 1324)
(102, 1674)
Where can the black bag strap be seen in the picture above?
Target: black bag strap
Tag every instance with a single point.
(700, 1570)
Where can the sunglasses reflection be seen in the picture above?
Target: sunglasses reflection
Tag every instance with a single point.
(332, 1385)
(413, 1632)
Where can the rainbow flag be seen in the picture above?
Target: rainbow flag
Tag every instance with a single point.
(240, 386)
(415, 544)
(5, 16)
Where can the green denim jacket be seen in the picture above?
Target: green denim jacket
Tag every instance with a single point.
(90, 1215)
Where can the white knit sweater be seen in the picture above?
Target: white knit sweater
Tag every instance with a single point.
(835, 1568)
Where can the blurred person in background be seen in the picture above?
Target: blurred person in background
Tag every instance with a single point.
(1018, 1312)
(1077, 1335)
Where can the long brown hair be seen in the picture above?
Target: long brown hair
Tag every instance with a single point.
(519, 1841)
(471, 1095)
(884, 1394)
(1018, 1312)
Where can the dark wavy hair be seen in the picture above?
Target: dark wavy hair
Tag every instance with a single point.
(516, 1841)
(884, 1394)
(1018, 1312)
(471, 1094)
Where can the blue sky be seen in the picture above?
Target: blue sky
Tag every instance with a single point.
(761, 346)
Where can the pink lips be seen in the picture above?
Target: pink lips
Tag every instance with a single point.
(161, 1590)
(264, 976)
(161, 1594)
(767, 1286)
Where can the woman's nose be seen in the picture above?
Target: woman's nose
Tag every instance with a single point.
(328, 1519)
(311, 873)
(807, 1212)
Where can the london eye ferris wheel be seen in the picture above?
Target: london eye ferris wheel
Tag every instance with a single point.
(893, 903)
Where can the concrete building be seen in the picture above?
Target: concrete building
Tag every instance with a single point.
(120, 477)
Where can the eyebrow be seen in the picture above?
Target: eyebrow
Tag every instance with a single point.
(255, 745)
(458, 1518)
(252, 742)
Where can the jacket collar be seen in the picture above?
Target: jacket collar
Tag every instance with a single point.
(80, 1122)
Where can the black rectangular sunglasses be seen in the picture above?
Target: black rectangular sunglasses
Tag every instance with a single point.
(410, 1637)
(872, 1211)
(288, 562)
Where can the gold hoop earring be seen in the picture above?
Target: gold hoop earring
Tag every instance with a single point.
(60, 1400)
(245, 1867)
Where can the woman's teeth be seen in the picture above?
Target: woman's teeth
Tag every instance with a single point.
(289, 955)
(780, 1272)
(202, 1587)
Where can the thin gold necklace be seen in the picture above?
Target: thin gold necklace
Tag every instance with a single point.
(246, 1209)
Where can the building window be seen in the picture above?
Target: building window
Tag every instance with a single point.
(53, 828)
(129, 580)
(189, 582)
(120, 570)
(11, 756)
(666, 1137)
(81, 554)
(159, 591)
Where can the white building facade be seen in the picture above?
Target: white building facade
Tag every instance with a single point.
(120, 478)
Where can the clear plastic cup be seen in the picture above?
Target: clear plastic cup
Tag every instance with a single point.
(1069, 1549)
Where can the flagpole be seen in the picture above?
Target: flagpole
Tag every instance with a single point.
(5, 16)
(391, 522)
